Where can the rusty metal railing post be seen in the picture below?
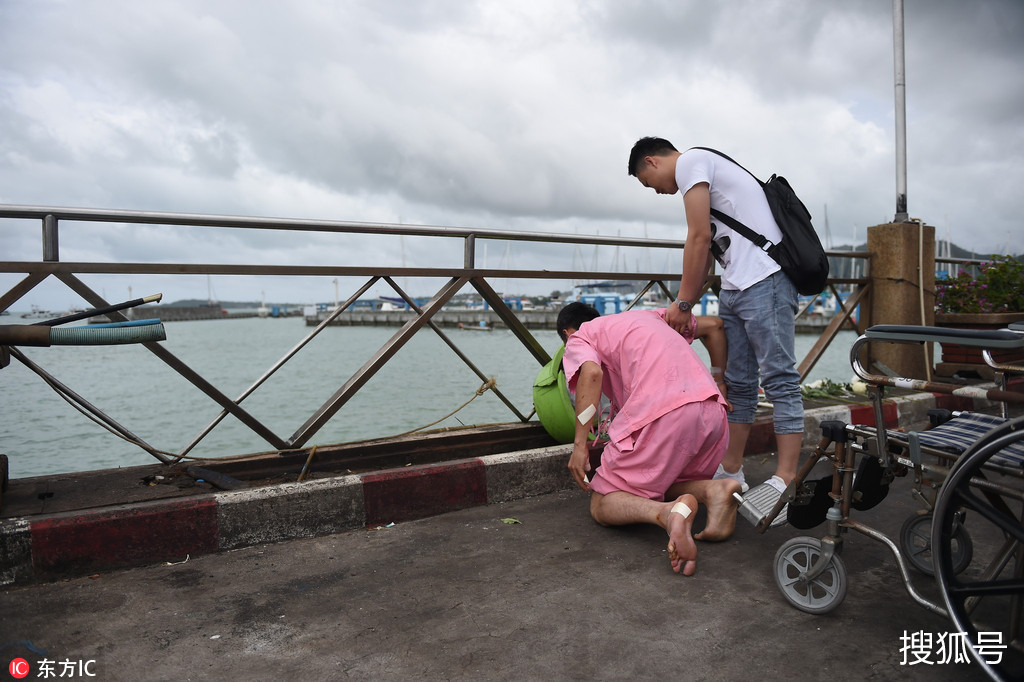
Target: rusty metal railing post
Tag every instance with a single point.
(50, 240)
(469, 258)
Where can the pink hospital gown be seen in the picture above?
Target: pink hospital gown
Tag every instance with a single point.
(669, 424)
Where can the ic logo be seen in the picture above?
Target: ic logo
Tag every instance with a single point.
(19, 668)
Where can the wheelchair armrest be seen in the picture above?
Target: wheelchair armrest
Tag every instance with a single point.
(1000, 339)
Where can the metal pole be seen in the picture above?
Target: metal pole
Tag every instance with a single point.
(901, 113)
(50, 241)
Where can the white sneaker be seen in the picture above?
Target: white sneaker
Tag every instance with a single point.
(766, 495)
(736, 476)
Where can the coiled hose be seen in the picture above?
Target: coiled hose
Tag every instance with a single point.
(136, 331)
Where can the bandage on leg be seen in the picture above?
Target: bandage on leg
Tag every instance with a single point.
(681, 508)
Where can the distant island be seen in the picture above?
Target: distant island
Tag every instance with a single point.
(227, 305)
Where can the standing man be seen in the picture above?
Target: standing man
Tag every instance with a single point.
(757, 302)
(668, 433)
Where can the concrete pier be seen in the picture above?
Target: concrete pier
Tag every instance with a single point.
(488, 568)
(522, 589)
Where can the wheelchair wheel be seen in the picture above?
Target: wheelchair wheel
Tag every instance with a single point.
(818, 595)
(916, 544)
(985, 601)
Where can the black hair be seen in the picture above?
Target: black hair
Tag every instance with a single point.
(573, 315)
(648, 146)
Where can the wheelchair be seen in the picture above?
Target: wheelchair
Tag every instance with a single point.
(968, 475)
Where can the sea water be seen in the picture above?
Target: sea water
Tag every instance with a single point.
(43, 434)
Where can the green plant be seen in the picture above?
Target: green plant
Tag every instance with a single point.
(997, 286)
(825, 388)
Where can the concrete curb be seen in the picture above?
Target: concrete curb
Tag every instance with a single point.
(70, 544)
(54, 546)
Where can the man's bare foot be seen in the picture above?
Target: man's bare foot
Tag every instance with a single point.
(682, 550)
(721, 510)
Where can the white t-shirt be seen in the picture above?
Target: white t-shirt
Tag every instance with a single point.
(737, 194)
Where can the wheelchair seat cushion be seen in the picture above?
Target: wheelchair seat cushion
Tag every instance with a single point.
(963, 431)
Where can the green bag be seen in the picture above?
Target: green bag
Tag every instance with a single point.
(551, 400)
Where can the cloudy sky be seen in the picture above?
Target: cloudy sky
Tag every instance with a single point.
(489, 114)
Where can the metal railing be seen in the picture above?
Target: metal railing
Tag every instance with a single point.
(454, 280)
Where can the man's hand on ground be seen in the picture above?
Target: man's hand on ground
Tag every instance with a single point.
(579, 465)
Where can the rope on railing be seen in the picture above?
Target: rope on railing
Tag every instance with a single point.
(484, 387)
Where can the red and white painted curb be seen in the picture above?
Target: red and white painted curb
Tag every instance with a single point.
(93, 540)
(88, 541)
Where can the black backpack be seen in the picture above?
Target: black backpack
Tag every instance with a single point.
(800, 253)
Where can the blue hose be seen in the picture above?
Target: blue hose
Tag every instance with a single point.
(141, 331)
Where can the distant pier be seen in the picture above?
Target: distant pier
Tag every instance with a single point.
(467, 319)
(488, 319)
(189, 313)
(183, 313)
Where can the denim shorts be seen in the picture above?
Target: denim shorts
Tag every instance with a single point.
(760, 328)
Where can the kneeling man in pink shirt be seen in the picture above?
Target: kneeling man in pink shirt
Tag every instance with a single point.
(668, 431)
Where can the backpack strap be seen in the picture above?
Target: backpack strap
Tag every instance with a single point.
(730, 159)
(759, 239)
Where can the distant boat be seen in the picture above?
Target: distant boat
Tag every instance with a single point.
(614, 297)
(38, 313)
(211, 298)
